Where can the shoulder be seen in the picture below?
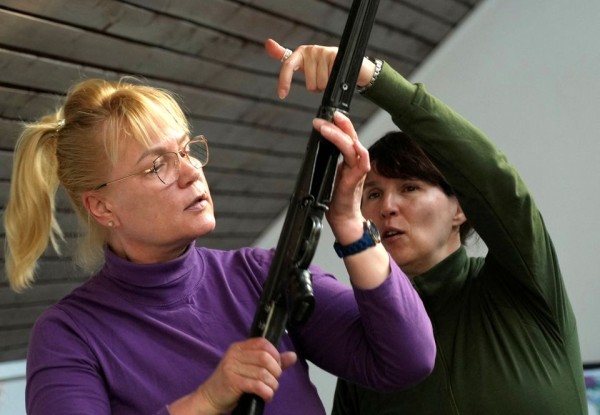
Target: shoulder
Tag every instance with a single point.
(56, 330)
(247, 260)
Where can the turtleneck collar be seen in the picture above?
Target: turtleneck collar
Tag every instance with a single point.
(444, 280)
(154, 284)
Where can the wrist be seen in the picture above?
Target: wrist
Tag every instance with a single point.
(369, 238)
(349, 232)
(377, 66)
(196, 403)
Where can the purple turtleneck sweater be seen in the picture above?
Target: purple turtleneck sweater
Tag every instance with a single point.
(135, 338)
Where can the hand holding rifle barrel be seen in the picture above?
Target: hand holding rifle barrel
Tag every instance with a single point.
(287, 297)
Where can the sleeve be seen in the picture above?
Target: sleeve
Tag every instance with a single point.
(62, 374)
(491, 192)
(380, 338)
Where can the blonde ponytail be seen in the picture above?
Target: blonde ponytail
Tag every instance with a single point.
(29, 218)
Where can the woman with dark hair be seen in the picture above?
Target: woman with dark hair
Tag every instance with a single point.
(396, 155)
(505, 331)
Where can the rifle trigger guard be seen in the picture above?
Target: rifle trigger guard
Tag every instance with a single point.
(310, 240)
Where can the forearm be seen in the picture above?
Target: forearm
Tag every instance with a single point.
(381, 338)
(400, 348)
(368, 269)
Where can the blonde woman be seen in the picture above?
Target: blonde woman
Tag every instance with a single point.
(161, 325)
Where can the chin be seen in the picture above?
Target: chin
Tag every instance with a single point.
(206, 225)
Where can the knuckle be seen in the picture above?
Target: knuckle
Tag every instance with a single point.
(263, 375)
(264, 358)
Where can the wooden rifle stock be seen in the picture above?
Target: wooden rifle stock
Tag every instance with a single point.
(287, 298)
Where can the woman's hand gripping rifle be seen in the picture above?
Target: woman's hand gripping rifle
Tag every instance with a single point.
(287, 298)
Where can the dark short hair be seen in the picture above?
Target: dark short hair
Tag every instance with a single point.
(397, 156)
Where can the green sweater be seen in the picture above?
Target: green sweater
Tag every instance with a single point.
(506, 335)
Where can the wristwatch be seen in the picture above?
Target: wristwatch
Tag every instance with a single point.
(370, 238)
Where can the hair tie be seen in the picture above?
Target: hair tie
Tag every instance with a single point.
(59, 126)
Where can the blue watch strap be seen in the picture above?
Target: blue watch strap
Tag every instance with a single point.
(369, 238)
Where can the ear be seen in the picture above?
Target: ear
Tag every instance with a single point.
(459, 216)
(98, 207)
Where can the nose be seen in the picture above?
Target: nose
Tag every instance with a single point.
(389, 206)
(188, 173)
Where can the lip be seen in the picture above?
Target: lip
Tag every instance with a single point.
(199, 203)
(390, 233)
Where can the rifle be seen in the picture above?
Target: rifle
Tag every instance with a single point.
(287, 297)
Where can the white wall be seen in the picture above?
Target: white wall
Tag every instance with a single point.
(12, 388)
(528, 74)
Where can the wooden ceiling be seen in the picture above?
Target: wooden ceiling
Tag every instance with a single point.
(210, 52)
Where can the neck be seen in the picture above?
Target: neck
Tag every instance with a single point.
(148, 254)
(425, 264)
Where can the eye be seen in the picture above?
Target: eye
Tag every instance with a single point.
(159, 164)
(149, 171)
(410, 188)
(373, 194)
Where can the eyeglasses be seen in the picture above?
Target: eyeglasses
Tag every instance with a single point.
(166, 166)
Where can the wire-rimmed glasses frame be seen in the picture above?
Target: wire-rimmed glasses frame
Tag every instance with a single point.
(166, 166)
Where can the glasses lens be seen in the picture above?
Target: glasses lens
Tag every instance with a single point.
(197, 151)
(166, 167)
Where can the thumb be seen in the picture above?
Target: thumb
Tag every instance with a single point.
(288, 359)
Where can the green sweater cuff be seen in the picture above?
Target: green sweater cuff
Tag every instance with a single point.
(395, 100)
